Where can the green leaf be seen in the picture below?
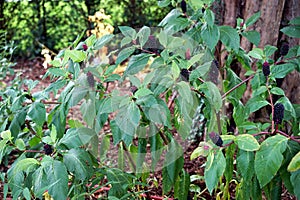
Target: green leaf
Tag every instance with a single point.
(256, 53)
(78, 162)
(20, 144)
(256, 103)
(252, 36)
(100, 42)
(295, 180)
(88, 110)
(214, 169)
(295, 163)
(124, 54)
(280, 71)
(75, 55)
(27, 165)
(277, 91)
(76, 137)
(245, 164)
(234, 80)
(269, 50)
(200, 71)
(246, 142)
(229, 37)
(128, 32)
(26, 193)
(182, 186)
(56, 71)
(128, 118)
(268, 158)
(57, 176)
(252, 19)
(37, 112)
(292, 31)
(6, 135)
(212, 93)
(209, 17)
(210, 35)
(136, 63)
(143, 35)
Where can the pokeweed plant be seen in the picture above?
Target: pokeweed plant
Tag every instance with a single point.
(150, 123)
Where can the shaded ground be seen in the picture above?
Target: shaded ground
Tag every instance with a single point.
(33, 69)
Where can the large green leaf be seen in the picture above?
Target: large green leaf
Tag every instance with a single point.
(79, 163)
(251, 20)
(255, 104)
(295, 180)
(75, 55)
(128, 32)
(280, 71)
(246, 142)
(27, 165)
(88, 110)
(292, 31)
(295, 163)
(182, 186)
(214, 169)
(100, 42)
(128, 118)
(233, 80)
(245, 164)
(136, 63)
(143, 35)
(268, 158)
(229, 37)
(37, 112)
(252, 36)
(213, 94)
(210, 35)
(124, 54)
(58, 179)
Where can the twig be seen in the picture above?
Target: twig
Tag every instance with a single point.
(172, 99)
(272, 105)
(166, 141)
(286, 135)
(238, 85)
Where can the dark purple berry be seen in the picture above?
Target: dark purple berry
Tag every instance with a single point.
(85, 47)
(90, 79)
(278, 113)
(215, 137)
(183, 6)
(266, 69)
(48, 149)
(185, 74)
(133, 89)
(284, 49)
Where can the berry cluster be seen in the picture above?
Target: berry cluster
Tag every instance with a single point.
(215, 137)
(48, 149)
(90, 79)
(185, 74)
(278, 113)
(266, 69)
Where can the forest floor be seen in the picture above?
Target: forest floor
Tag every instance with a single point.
(33, 69)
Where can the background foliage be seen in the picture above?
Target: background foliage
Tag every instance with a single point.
(56, 24)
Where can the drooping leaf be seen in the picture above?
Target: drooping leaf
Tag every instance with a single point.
(295, 163)
(58, 179)
(78, 162)
(245, 164)
(214, 169)
(269, 157)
